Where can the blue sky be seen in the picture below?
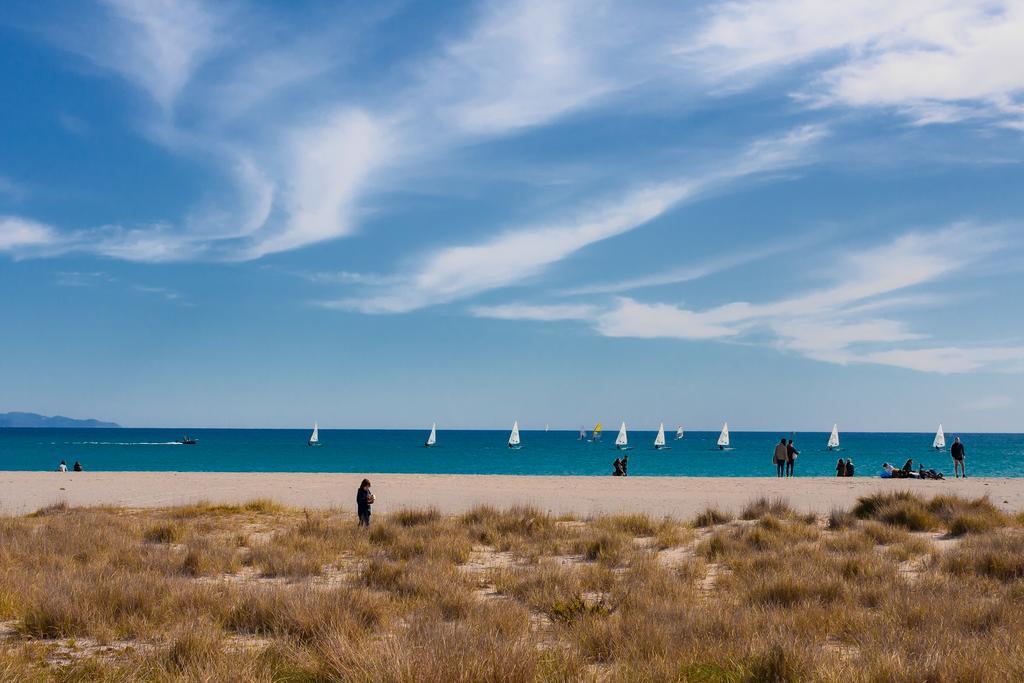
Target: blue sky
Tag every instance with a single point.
(779, 213)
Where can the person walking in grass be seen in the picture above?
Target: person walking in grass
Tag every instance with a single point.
(791, 453)
(781, 453)
(364, 499)
(958, 453)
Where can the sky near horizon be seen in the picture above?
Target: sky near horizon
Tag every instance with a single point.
(780, 213)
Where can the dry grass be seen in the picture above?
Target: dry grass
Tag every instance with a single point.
(777, 507)
(256, 592)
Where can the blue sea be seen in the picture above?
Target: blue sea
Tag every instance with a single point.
(484, 452)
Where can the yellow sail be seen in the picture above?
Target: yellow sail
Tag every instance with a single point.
(597, 429)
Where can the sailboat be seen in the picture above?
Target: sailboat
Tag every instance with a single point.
(940, 440)
(723, 438)
(679, 432)
(621, 441)
(513, 438)
(583, 434)
(659, 440)
(314, 438)
(596, 434)
(432, 439)
(833, 439)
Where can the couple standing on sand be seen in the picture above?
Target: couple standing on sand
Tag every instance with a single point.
(785, 458)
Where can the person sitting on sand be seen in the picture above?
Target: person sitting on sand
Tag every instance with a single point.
(78, 466)
(840, 468)
(957, 451)
(62, 467)
(908, 466)
(887, 470)
(617, 468)
(364, 499)
(849, 467)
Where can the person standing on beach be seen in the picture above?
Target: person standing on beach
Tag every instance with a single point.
(849, 467)
(617, 468)
(840, 468)
(781, 453)
(364, 499)
(791, 453)
(958, 453)
(625, 465)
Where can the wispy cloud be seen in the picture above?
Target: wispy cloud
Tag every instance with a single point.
(329, 166)
(21, 234)
(692, 272)
(522, 253)
(158, 44)
(540, 312)
(82, 279)
(164, 293)
(987, 403)
(12, 189)
(526, 62)
(938, 62)
(827, 324)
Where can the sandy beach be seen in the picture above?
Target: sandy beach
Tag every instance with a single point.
(24, 492)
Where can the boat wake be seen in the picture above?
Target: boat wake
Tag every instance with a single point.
(124, 443)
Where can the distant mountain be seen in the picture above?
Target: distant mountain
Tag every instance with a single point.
(36, 420)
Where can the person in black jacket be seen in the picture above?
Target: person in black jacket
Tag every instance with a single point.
(840, 468)
(849, 467)
(791, 453)
(958, 453)
(364, 499)
(78, 466)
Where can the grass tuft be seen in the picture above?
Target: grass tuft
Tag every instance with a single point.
(711, 516)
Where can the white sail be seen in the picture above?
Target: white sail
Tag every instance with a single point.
(621, 439)
(659, 440)
(583, 434)
(513, 438)
(723, 438)
(314, 438)
(679, 432)
(432, 439)
(940, 439)
(833, 439)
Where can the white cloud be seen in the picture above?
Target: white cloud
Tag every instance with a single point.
(457, 272)
(686, 273)
(537, 312)
(526, 62)
(165, 41)
(519, 254)
(20, 233)
(937, 61)
(650, 321)
(951, 359)
(328, 167)
(827, 324)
